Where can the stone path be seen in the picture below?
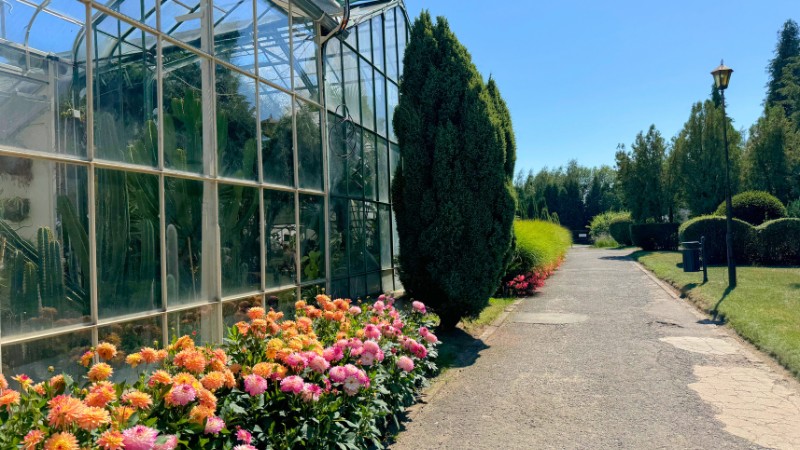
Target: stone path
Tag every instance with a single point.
(604, 357)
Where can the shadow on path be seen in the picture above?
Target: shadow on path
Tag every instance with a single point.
(459, 349)
(627, 257)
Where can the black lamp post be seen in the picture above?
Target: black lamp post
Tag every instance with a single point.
(722, 75)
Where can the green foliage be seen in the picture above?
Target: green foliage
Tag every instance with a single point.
(700, 158)
(540, 244)
(641, 176)
(779, 242)
(453, 196)
(768, 154)
(601, 223)
(605, 240)
(655, 236)
(619, 227)
(714, 229)
(786, 50)
(793, 209)
(754, 207)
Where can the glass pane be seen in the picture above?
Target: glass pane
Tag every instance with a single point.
(377, 42)
(236, 124)
(308, 293)
(380, 104)
(383, 171)
(188, 30)
(309, 145)
(34, 357)
(240, 238)
(365, 40)
(370, 167)
(128, 251)
(281, 236)
(338, 131)
(401, 38)
(125, 95)
(385, 239)
(183, 110)
(338, 240)
(276, 136)
(236, 311)
(44, 247)
(333, 74)
(233, 32)
(358, 287)
(391, 45)
(395, 244)
(282, 301)
(367, 96)
(355, 163)
(372, 236)
(143, 11)
(340, 288)
(352, 97)
(312, 237)
(199, 323)
(357, 237)
(305, 58)
(273, 49)
(33, 115)
(184, 219)
(130, 337)
(392, 104)
(374, 284)
(394, 159)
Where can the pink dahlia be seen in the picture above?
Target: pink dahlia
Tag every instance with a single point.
(214, 425)
(355, 310)
(296, 361)
(337, 374)
(311, 392)
(244, 447)
(419, 307)
(139, 437)
(182, 394)
(379, 306)
(405, 363)
(254, 384)
(318, 364)
(333, 354)
(170, 443)
(372, 346)
(244, 436)
(372, 332)
(292, 384)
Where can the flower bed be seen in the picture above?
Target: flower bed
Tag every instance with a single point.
(525, 284)
(337, 376)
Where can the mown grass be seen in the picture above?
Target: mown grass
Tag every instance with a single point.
(764, 308)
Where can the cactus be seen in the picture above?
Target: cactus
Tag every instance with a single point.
(173, 267)
(147, 263)
(30, 292)
(113, 228)
(172, 288)
(55, 278)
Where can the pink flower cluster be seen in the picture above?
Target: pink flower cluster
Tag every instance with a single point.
(350, 377)
(141, 437)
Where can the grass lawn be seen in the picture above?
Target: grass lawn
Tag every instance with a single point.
(764, 308)
(462, 344)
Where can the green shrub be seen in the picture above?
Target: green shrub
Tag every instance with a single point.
(655, 236)
(793, 209)
(778, 242)
(601, 222)
(714, 229)
(605, 241)
(754, 207)
(540, 244)
(620, 229)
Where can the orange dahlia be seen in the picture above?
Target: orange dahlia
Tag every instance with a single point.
(92, 418)
(100, 372)
(213, 380)
(64, 411)
(138, 399)
(106, 351)
(111, 440)
(9, 397)
(32, 439)
(160, 377)
(62, 441)
(100, 394)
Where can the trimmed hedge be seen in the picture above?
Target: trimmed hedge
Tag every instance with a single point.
(620, 229)
(540, 244)
(601, 222)
(655, 236)
(754, 207)
(714, 229)
(778, 242)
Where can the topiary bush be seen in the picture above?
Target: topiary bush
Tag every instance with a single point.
(601, 222)
(754, 207)
(620, 229)
(540, 244)
(655, 236)
(714, 229)
(778, 242)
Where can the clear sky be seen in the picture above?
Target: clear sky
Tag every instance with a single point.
(582, 76)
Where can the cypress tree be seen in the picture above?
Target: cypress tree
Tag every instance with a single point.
(452, 194)
(788, 48)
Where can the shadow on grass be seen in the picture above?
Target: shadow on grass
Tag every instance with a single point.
(459, 349)
(795, 285)
(715, 315)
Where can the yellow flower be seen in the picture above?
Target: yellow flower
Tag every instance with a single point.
(160, 377)
(134, 359)
(92, 418)
(87, 358)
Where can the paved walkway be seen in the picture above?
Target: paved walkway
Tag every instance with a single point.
(634, 368)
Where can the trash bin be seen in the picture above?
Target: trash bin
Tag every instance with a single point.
(691, 256)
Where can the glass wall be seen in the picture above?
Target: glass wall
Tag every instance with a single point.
(362, 72)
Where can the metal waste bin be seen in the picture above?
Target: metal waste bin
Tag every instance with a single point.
(691, 256)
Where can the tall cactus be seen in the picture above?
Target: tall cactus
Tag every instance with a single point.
(173, 266)
(147, 264)
(55, 278)
(113, 228)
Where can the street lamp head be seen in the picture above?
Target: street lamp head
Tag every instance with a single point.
(722, 76)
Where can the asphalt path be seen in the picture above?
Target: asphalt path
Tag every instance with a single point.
(632, 366)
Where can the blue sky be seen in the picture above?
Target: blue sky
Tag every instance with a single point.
(582, 76)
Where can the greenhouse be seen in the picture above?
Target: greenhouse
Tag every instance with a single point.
(166, 164)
